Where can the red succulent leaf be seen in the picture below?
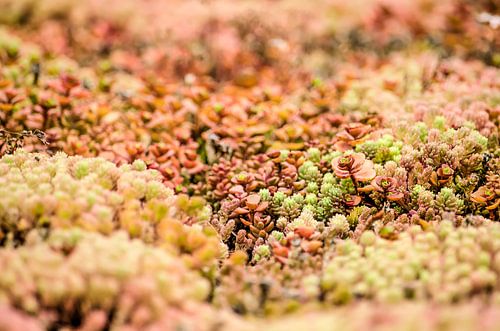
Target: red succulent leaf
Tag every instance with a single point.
(253, 201)
(311, 246)
(483, 195)
(352, 200)
(395, 196)
(239, 211)
(366, 189)
(262, 206)
(237, 189)
(304, 231)
(494, 205)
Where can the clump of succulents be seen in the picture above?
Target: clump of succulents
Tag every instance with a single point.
(472, 316)
(442, 264)
(458, 153)
(76, 276)
(381, 150)
(371, 267)
(45, 193)
(11, 141)
(487, 197)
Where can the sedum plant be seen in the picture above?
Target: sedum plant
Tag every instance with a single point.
(76, 276)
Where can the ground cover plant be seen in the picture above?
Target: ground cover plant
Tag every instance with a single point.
(250, 165)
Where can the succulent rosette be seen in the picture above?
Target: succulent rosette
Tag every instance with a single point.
(354, 166)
